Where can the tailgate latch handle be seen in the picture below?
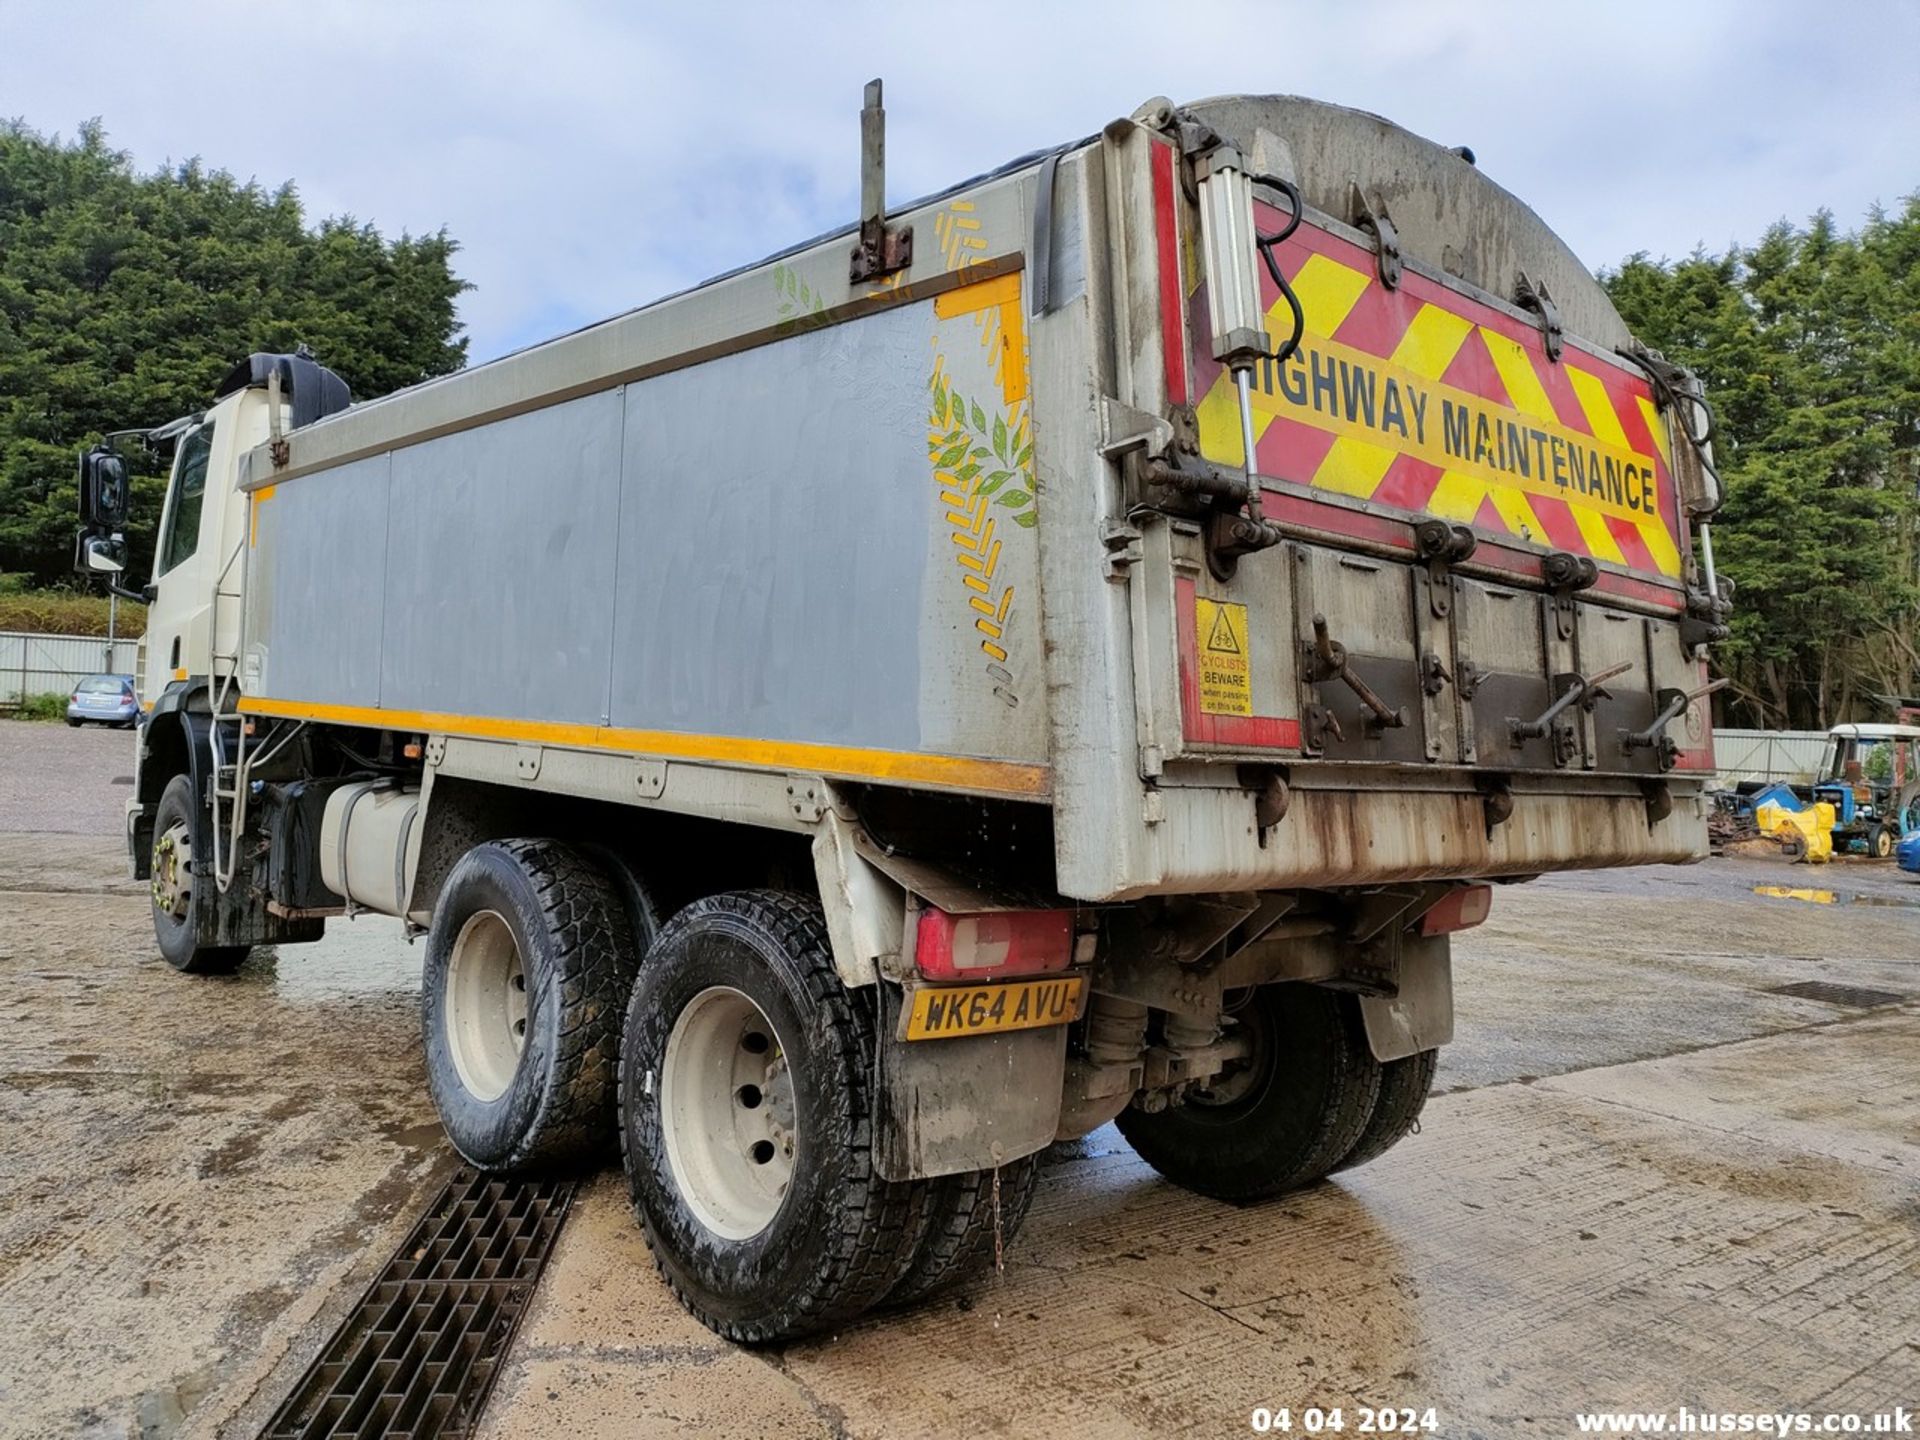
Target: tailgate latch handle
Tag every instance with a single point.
(1673, 704)
(1583, 688)
(1327, 660)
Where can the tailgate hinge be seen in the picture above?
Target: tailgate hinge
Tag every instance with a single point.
(1533, 295)
(1566, 575)
(1442, 546)
(1373, 218)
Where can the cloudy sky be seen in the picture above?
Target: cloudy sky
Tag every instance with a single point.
(592, 156)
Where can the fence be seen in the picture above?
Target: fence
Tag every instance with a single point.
(35, 664)
(1790, 755)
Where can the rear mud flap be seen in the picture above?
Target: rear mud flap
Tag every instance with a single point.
(970, 1103)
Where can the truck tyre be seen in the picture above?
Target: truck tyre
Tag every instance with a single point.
(179, 892)
(649, 899)
(959, 1242)
(528, 964)
(1283, 1119)
(746, 1123)
(1404, 1086)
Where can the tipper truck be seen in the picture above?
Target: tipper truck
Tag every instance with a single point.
(1069, 650)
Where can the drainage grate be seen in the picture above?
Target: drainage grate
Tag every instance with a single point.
(416, 1356)
(1858, 996)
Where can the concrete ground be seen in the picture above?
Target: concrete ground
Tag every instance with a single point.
(1647, 1183)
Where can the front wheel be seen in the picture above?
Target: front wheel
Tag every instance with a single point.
(746, 1123)
(1881, 840)
(183, 887)
(1284, 1117)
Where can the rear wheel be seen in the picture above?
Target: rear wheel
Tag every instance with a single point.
(1404, 1087)
(746, 1120)
(529, 960)
(1881, 840)
(182, 887)
(971, 1220)
(1284, 1117)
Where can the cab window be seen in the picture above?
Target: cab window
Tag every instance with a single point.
(189, 490)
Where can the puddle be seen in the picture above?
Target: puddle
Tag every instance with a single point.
(1831, 897)
(357, 958)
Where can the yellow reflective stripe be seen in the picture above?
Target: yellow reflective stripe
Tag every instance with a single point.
(1432, 341)
(1458, 496)
(954, 771)
(1660, 545)
(1516, 371)
(1598, 409)
(1657, 428)
(1593, 529)
(1354, 467)
(1327, 292)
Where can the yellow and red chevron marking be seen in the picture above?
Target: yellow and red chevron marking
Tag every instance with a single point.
(1426, 400)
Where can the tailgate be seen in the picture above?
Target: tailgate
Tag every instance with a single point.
(1428, 400)
(1549, 640)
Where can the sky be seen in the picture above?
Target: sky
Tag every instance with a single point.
(590, 157)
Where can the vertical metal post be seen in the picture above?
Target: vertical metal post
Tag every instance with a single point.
(873, 158)
(882, 250)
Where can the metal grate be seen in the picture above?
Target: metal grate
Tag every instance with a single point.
(1858, 996)
(416, 1357)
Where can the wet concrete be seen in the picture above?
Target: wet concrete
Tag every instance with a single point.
(1649, 1183)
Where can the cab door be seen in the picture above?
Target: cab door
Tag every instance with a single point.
(177, 643)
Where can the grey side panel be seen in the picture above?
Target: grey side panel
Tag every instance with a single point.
(321, 550)
(501, 567)
(787, 567)
(769, 529)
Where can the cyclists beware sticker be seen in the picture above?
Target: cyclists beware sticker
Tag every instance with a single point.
(1226, 675)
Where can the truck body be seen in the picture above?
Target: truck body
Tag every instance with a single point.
(925, 571)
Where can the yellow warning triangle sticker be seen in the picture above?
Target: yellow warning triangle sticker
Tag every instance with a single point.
(1221, 640)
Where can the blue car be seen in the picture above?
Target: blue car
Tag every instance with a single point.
(1908, 853)
(104, 700)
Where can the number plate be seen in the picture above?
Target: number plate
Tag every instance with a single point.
(942, 1011)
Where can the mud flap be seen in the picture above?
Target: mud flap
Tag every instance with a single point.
(948, 1106)
(1420, 1016)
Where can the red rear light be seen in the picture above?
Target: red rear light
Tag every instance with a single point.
(994, 943)
(1462, 909)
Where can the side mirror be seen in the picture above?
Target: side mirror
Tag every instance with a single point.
(104, 493)
(105, 554)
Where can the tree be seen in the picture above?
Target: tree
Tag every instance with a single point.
(125, 297)
(1809, 345)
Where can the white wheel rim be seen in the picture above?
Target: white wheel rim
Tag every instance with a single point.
(173, 870)
(486, 1005)
(726, 1110)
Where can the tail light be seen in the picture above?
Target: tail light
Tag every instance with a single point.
(1461, 909)
(994, 943)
